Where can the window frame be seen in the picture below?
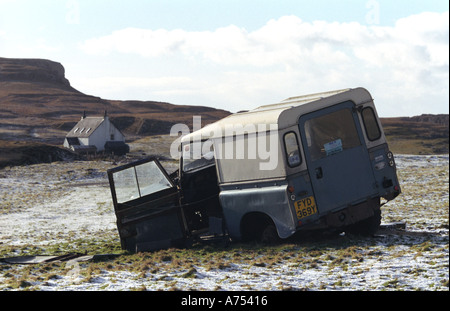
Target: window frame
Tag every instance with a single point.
(132, 176)
(196, 164)
(363, 117)
(316, 143)
(286, 149)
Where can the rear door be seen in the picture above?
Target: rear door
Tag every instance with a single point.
(337, 158)
(146, 203)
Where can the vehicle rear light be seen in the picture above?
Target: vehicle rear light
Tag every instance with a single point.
(390, 157)
(291, 189)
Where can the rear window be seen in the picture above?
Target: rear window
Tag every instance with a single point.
(331, 133)
(370, 124)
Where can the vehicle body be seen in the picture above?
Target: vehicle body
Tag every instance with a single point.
(318, 161)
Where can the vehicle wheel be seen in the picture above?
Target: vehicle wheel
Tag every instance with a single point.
(366, 227)
(258, 227)
(269, 235)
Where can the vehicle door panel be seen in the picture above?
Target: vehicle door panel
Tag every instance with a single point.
(337, 158)
(146, 203)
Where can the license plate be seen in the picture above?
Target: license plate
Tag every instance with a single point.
(305, 207)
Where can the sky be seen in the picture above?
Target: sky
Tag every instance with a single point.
(238, 55)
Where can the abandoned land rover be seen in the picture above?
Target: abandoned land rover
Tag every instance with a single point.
(318, 161)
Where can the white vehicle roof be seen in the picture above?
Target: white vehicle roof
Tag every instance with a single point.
(284, 114)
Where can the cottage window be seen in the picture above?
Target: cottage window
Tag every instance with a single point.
(76, 130)
(87, 131)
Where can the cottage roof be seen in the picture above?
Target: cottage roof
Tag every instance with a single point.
(85, 127)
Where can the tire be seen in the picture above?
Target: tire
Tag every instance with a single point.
(269, 235)
(258, 227)
(366, 227)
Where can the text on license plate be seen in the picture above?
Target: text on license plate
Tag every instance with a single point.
(305, 207)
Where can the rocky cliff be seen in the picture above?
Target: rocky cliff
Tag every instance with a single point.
(32, 70)
(37, 102)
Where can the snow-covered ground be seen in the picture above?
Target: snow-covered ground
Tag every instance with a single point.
(47, 208)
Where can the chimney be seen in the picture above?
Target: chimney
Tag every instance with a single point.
(106, 115)
(84, 115)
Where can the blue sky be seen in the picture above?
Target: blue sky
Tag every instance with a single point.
(242, 54)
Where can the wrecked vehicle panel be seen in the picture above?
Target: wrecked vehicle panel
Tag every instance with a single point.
(146, 203)
(317, 161)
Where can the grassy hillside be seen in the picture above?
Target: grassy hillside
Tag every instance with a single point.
(426, 134)
(38, 104)
(37, 101)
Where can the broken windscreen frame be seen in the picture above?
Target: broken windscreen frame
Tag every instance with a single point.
(146, 203)
(138, 181)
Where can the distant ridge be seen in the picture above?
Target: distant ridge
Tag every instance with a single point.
(38, 103)
(35, 95)
(32, 70)
(424, 134)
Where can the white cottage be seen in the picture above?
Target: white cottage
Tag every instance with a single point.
(96, 134)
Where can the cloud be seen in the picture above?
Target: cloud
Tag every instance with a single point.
(289, 40)
(289, 56)
(282, 41)
(151, 88)
(147, 43)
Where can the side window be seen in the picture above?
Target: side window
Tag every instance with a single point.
(292, 150)
(198, 155)
(370, 124)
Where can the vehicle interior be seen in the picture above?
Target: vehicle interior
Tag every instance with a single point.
(199, 191)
